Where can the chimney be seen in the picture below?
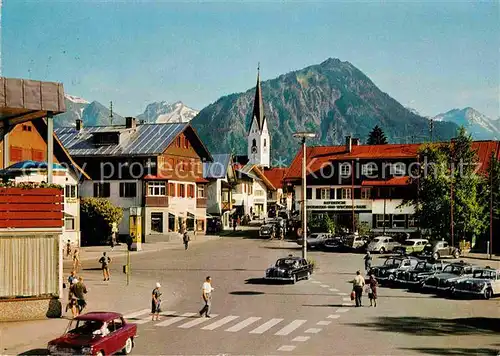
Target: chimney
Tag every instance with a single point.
(355, 141)
(79, 124)
(348, 143)
(130, 122)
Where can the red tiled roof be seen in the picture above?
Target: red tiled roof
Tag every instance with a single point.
(392, 181)
(321, 155)
(275, 176)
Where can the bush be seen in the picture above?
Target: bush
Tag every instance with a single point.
(312, 262)
(322, 223)
(96, 220)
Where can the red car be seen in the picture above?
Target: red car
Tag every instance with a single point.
(95, 333)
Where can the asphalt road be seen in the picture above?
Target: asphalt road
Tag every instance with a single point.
(313, 317)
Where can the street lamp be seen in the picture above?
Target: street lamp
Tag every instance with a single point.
(303, 135)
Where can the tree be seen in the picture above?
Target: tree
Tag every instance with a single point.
(96, 220)
(322, 223)
(376, 137)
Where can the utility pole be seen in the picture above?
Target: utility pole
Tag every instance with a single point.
(431, 129)
(111, 112)
(491, 205)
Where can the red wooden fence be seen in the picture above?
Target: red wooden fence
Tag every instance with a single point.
(31, 208)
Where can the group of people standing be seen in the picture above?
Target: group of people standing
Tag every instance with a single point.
(76, 294)
(360, 282)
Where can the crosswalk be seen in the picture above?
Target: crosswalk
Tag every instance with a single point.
(229, 323)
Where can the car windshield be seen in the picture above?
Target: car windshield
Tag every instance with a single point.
(408, 243)
(84, 327)
(453, 269)
(314, 236)
(423, 266)
(428, 247)
(484, 273)
(287, 262)
(392, 262)
(376, 240)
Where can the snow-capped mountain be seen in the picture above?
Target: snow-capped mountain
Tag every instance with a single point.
(76, 99)
(478, 125)
(163, 112)
(92, 113)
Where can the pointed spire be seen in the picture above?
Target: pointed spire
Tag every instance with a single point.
(258, 104)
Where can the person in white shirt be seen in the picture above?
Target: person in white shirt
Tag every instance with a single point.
(358, 284)
(207, 297)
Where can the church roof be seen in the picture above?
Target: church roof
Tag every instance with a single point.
(258, 106)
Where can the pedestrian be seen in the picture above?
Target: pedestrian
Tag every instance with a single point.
(372, 293)
(112, 241)
(185, 239)
(234, 224)
(368, 261)
(207, 297)
(105, 261)
(68, 249)
(357, 287)
(79, 292)
(72, 276)
(72, 299)
(76, 260)
(156, 302)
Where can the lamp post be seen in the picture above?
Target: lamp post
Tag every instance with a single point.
(303, 136)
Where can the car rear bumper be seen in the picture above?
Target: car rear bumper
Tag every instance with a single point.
(279, 278)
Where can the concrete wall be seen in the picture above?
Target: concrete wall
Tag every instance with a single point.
(30, 309)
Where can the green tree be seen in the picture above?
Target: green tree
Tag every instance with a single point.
(322, 223)
(376, 137)
(96, 220)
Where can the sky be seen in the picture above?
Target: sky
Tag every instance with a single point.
(430, 56)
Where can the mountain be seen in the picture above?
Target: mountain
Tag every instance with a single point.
(478, 125)
(92, 114)
(332, 99)
(74, 110)
(163, 112)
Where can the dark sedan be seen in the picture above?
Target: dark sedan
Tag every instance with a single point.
(414, 278)
(290, 269)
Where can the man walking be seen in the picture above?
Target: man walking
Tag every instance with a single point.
(68, 249)
(104, 261)
(207, 297)
(156, 302)
(368, 261)
(185, 239)
(79, 291)
(358, 284)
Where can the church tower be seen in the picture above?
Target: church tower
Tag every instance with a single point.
(259, 142)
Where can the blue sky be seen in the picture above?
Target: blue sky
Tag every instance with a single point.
(427, 55)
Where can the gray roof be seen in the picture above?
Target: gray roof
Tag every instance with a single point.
(145, 140)
(217, 168)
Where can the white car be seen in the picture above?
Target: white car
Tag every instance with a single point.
(382, 244)
(484, 282)
(316, 239)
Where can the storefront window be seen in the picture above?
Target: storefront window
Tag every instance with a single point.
(398, 221)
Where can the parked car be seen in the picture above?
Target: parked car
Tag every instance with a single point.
(483, 282)
(382, 244)
(290, 269)
(315, 240)
(451, 274)
(414, 278)
(355, 242)
(95, 333)
(333, 243)
(411, 246)
(387, 272)
(267, 230)
(439, 249)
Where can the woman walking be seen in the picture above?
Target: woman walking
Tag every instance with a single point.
(368, 262)
(155, 302)
(76, 260)
(372, 294)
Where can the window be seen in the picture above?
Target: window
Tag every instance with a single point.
(265, 142)
(332, 193)
(181, 190)
(309, 193)
(346, 193)
(102, 190)
(157, 222)
(345, 169)
(26, 128)
(171, 189)
(250, 189)
(69, 223)
(201, 191)
(380, 220)
(70, 191)
(128, 190)
(178, 141)
(411, 221)
(186, 142)
(190, 191)
(369, 169)
(260, 193)
(318, 193)
(365, 193)
(398, 221)
(37, 155)
(398, 169)
(157, 189)
(16, 154)
(323, 193)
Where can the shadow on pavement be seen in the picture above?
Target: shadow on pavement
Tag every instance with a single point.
(259, 280)
(92, 269)
(329, 305)
(456, 351)
(283, 248)
(36, 352)
(246, 292)
(199, 269)
(434, 326)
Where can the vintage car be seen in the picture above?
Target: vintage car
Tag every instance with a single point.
(387, 272)
(483, 282)
(95, 333)
(267, 230)
(439, 249)
(333, 243)
(411, 246)
(355, 242)
(316, 239)
(382, 244)
(451, 274)
(414, 278)
(290, 269)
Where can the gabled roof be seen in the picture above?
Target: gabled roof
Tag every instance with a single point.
(144, 140)
(258, 106)
(218, 168)
(275, 176)
(254, 172)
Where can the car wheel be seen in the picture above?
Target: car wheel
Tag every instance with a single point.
(294, 278)
(382, 250)
(308, 275)
(435, 256)
(456, 254)
(128, 346)
(488, 293)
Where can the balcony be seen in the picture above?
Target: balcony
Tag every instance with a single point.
(201, 202)
(156, 201)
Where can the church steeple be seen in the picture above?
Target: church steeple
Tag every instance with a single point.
(258, 105)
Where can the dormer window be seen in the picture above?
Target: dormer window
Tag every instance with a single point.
(106, 138)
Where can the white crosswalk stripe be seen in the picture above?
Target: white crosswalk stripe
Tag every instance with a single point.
(175, 319)
(220, 322)
(266, 326)
(290, 327)
(147, 319)
(136, 314)
(333, 316)
(195, 322)
(301, 338)
(286, 348)
(243, 324)
(324, 322)
(342, 310)
(313, 331)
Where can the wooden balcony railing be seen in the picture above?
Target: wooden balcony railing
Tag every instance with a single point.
(156, 201)
(201, 202)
